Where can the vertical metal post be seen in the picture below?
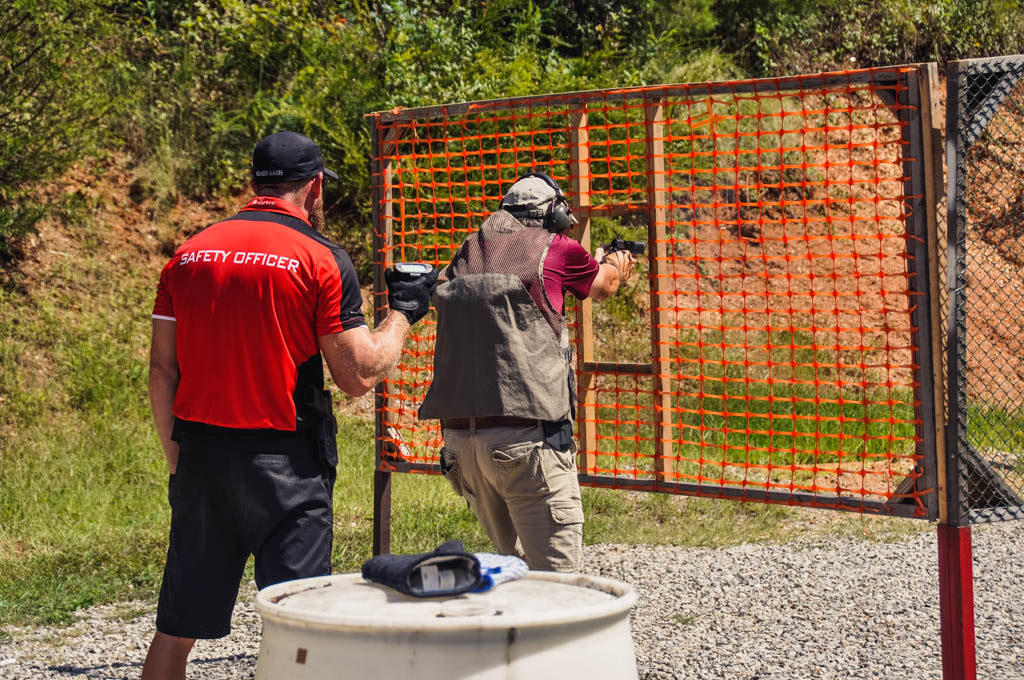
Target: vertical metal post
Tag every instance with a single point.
(380, 177)
(955, 343)
(579, 185)
(381, 512)
(956, 603)
(657, 221)
(956, 588)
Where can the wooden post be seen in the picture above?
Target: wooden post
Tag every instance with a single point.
(933, 183)
(657, 249)
(381, 177)
(579, 185)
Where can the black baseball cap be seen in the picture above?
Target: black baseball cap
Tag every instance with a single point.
(286, 156)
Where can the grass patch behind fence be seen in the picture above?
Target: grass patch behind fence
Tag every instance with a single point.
(998, 434)
(756, 396)
(991, 427)
(781, 405)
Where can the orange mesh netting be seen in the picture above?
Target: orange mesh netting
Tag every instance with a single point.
(766, 349)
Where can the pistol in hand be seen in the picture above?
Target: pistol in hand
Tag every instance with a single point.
(619, 243)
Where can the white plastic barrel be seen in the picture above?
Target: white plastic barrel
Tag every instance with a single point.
(545, 625)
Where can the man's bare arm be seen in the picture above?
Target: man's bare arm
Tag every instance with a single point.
(360, 358)
(163, 383)
(615, 268)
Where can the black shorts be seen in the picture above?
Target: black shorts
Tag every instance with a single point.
(236, 493)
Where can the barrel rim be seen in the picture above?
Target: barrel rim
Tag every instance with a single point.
(623, 598)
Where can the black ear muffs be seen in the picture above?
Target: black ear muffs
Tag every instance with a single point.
(559, 217)
(559, 214)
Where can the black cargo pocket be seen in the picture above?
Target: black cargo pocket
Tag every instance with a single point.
(329, 443)
(176, 478)
(324, 440)
(450, 469)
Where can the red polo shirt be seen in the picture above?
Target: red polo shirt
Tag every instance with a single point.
(251, 295)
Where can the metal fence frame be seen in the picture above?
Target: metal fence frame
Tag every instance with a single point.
(976, 89)
(911, 103)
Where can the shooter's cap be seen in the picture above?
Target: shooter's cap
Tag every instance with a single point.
(529, 197)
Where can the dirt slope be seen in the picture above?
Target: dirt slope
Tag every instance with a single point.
(110, 217)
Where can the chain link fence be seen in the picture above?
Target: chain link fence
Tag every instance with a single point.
(985, 260)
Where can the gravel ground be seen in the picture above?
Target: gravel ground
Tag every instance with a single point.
(806, 609)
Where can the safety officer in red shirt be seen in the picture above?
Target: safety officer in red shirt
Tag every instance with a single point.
(244, 311)
(503, 385)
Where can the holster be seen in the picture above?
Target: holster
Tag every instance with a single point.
(318, 419)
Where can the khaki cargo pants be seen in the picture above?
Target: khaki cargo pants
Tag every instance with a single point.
(525, 493)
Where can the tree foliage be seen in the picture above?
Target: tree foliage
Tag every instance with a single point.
(51, 109)
(773, 37)
(188, 86)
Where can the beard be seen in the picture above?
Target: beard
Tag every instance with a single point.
(316, 214)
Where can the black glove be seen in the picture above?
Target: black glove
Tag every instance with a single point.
(448, 570)
(410, 293)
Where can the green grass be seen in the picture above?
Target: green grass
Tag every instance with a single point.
(83, 509)
(425, 511)
(991, 427)
(79, 530)
(999, 435)
(654, 518)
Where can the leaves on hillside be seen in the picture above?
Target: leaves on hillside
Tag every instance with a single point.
(188, 87)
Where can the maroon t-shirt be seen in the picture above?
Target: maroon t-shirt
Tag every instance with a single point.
(568, 267)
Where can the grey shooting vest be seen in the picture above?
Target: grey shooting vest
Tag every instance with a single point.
(502, 349)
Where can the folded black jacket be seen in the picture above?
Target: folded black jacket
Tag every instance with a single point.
(448, 570)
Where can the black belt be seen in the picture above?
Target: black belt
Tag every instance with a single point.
(488, 421)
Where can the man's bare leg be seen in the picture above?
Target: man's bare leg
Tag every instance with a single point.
(166, 658)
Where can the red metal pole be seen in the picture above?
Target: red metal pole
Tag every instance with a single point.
(956, 603)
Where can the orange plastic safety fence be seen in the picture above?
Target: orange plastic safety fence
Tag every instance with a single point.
(766, 348)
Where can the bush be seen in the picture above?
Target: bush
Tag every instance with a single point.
(781, 37)
(16, 221)
(50, 109)
(190, 86)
